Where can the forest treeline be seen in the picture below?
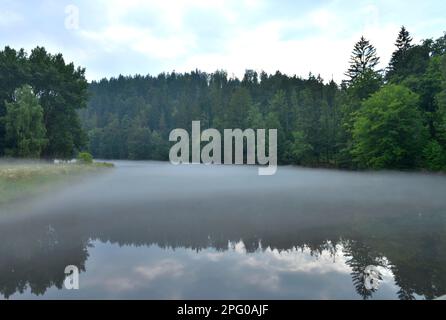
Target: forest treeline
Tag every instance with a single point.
(393, 118)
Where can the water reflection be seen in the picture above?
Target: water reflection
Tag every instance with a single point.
(152, 272)
(150, 231)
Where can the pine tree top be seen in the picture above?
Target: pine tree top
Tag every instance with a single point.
(404, 40)
(363, 59)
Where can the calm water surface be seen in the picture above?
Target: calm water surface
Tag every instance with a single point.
(153, 230)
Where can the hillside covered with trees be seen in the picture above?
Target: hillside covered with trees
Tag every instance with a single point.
(376, 119)
(393, 118)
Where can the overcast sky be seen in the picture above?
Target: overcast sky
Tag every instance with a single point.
(140, 36)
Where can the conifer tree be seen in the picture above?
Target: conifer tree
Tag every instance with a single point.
(363, 59)
(399, 56)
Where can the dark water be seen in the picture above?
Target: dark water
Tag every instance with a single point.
(153, 230)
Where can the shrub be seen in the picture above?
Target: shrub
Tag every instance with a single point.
(85, 158)
(434, 156)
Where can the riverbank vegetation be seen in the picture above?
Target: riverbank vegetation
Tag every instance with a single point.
(20, 180)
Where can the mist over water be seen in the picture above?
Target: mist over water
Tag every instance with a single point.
(154, 230)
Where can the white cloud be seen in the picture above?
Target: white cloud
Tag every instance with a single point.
(140, 40)
(165, 268)
(151, 36)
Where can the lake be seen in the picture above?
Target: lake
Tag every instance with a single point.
(151, 230)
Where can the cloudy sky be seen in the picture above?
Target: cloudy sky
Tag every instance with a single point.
(112, 37)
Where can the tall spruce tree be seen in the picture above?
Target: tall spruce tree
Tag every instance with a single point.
(399, 56)
(362, 60)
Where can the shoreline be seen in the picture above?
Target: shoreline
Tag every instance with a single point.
(24, 179)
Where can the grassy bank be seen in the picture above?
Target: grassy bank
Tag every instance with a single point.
(20, 181)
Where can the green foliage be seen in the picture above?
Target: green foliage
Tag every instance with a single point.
(85, 158)
(23, 123)
(412, 61)
(139, 143)
(161, 147)
(399, 57)
(438, 47)
(61, 88)
(434, 156)
(277, 118)
(361, 123)
(255, 117)
(440, 121)
(365, 85)
(439, 118)
(300, 150)
(123, 118)
(389, 130)
(429, 86)
(238, 107)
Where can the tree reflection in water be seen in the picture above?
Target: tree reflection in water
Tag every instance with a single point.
(37, 260)
(375, 229)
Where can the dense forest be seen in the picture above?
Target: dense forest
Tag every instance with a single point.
(393, 118)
